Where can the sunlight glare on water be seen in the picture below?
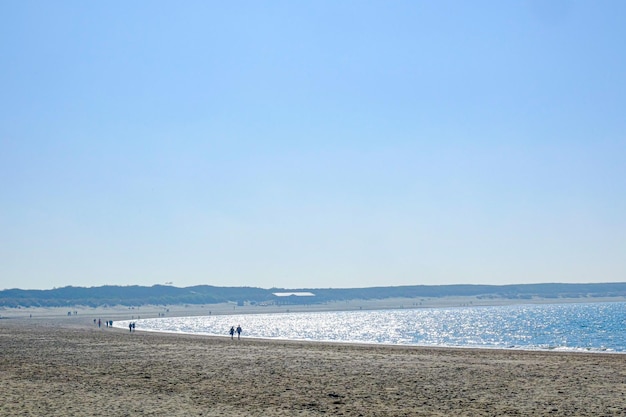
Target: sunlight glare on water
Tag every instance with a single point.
(584, 327)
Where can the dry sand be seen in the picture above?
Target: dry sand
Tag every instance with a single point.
(51, 365)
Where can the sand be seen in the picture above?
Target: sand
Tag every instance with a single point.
(51, 365)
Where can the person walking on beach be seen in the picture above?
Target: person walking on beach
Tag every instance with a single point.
(238, 332)
(232, 332)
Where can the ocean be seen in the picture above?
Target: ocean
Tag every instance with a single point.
(588, 327)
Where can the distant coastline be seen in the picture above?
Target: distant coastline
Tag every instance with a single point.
(372, 297)
(121, 312)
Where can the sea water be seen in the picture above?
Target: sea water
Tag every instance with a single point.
(595, 327)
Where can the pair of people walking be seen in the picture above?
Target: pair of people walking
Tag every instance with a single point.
(233, 330)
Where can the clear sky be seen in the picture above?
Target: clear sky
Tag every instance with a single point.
(304, 144)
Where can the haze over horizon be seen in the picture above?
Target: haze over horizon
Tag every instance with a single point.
(312, 144)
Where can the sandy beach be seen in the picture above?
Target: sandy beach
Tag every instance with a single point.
(52, 365)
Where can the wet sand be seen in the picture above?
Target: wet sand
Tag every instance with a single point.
(54, 366)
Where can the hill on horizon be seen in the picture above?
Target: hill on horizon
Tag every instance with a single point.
(135, 295)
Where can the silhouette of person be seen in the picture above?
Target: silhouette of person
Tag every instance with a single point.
(232, 331)
(238, 332)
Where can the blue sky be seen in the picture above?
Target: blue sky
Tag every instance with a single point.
(312, 144)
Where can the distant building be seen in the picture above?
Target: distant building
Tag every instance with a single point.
(282, 298)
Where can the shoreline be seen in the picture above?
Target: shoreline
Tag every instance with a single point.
(87, 316)
(54, 367)
(151, 311)
(390, 345)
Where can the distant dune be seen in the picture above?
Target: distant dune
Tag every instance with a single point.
(407, 296)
